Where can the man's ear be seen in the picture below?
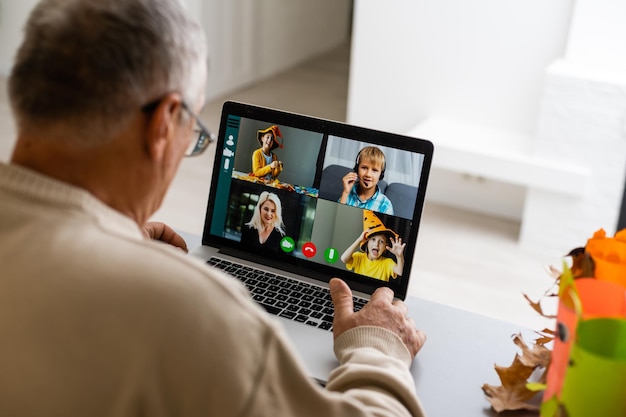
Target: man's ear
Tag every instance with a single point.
(162, 125)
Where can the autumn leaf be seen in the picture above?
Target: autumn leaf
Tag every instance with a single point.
(554, 272)
(516, 390)
(548, 331)
(582, 263)
(537, 356)
(513, 394)
(546, 336)
(536, 305)
(543, 340)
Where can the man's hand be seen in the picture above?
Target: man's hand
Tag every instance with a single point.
(164, 233)
(381, 311)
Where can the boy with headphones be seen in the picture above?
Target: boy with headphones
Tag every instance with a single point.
(360, 187)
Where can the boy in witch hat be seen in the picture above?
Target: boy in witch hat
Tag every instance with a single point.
(265, 163)
(377, 244)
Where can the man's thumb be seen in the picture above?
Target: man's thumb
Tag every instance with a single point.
(342, 297)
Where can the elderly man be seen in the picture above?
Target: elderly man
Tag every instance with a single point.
(96, 319)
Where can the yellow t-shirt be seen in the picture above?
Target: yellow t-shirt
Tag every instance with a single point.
(381, 268)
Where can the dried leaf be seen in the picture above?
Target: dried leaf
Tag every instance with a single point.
(544, 340)
(534, 304)
(548, 331)
(556, 276)
(513, 393)
(537, 356)
(537, 307)
(516, 390)
(546, 336)
(554, 273)
(582, 263)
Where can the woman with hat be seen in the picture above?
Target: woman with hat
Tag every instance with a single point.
(265, 163)
(377, 244)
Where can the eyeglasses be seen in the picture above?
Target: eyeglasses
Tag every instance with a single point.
(205, 136)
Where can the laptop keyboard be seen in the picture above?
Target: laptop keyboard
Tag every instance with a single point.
(286, 297)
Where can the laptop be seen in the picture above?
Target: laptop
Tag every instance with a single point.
(282, 229)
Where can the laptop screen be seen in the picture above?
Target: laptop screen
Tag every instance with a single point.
(316, 197)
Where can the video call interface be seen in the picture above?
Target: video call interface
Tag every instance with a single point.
(279, 195)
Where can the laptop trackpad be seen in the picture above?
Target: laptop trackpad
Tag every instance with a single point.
(315, 347)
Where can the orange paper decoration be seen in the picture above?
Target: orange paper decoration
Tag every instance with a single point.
(609, 256)
(598, 299)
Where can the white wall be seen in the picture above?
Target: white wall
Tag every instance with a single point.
(551, 72)
(598, 34)
(13, 15)
(480, 61)
(583, 121)
(248, 39)
(254, 39)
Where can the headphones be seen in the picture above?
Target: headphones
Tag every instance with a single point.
(356, 165)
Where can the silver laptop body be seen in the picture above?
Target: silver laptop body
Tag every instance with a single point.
(304, 251)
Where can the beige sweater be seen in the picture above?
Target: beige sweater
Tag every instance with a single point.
(97, 321)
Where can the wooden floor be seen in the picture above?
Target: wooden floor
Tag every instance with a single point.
(466, 260)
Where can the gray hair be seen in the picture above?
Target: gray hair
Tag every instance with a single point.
(91, 63)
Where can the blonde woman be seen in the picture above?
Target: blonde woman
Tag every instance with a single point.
(266, 228)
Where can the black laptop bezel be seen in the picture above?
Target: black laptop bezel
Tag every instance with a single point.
(297, 265)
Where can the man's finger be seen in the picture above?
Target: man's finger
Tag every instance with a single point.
(383, 293)
(421, 340)
(164, 233)
(402, 306)
(342, 297)
(421, 336)
(170, 236)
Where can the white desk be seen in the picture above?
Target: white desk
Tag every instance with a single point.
(458, 357)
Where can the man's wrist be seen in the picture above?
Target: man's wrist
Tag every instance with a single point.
(372, 337)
